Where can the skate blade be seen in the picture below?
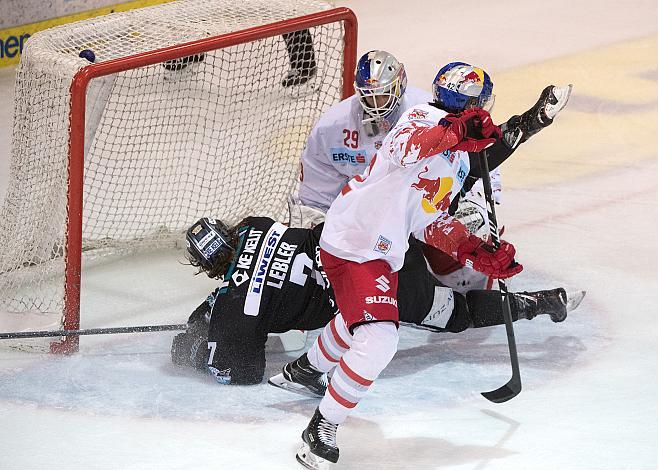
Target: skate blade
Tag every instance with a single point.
(574, 299)
(308, 459)
(562, 95)
(280, 382)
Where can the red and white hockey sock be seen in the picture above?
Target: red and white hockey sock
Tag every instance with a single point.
(330, 346)
(373, 347)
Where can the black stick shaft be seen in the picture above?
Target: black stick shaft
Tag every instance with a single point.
(513, 387)
(93, 331)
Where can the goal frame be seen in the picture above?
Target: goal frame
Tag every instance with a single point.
(78, 92)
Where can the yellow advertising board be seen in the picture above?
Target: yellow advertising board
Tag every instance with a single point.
(12, 40)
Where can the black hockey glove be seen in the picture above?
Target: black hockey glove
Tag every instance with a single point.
(190, 349)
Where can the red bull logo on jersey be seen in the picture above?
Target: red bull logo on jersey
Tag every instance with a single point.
(383, 245)
(436, 192)
(418, 114)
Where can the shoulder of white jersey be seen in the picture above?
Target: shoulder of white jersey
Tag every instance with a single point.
(340, 113)
(414, 96)
(424, 112)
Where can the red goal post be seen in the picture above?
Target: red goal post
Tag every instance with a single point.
(77, 118)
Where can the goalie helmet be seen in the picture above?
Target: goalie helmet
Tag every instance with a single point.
(459, 86)
(210, 245)
(380, 82)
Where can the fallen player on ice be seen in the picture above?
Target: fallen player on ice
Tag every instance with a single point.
(272, 282)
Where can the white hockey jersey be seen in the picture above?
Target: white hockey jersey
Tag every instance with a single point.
(405, 190)
(339, 148)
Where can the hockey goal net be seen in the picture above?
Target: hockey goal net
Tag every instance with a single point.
(189, 109)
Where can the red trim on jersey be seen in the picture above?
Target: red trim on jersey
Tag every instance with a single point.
(324, 351)
(341, 401)
(346, 189)
(339, 340)
(353, 375)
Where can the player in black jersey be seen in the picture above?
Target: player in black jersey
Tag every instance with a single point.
(272, 281)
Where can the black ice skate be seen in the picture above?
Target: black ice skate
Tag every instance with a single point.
(301, 377)
(552, 100)
(555, 303)
(299, 76)
(319, 446)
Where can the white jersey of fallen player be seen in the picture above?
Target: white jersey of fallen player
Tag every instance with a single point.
(339, 148)
(403, 192)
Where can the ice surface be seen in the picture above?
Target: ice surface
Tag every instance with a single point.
(580, 206)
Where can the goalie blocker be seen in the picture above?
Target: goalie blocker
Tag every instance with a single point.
(273, 282)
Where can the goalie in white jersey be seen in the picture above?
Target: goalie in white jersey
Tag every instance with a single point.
(347, 136)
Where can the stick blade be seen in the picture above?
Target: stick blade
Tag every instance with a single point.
(506, 392)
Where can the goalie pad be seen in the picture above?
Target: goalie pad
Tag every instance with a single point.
(301, 216)
(442, 307)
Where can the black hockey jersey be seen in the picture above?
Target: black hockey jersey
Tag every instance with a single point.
(274, 284)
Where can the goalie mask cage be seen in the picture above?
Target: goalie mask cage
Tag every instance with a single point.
(183, 114)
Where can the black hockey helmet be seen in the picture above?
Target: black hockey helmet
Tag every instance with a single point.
(209, 244)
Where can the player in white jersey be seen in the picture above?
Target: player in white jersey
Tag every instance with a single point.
(422, 166)
(347, 136)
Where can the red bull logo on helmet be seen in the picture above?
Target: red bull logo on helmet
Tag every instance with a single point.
(436, 192)
(463, 79)
(476, 75)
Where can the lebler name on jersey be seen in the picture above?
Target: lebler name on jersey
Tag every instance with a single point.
(281, 264)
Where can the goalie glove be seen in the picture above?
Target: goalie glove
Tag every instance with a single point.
(552, 100)
(482, 257)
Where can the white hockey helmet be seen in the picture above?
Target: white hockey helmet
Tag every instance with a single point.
(380, 82)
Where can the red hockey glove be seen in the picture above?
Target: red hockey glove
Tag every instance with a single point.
(482, 257)
(474, 129)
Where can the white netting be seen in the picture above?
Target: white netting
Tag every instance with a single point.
(217, 134)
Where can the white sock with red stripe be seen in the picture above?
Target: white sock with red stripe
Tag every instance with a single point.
(330, 346)
(373, 347)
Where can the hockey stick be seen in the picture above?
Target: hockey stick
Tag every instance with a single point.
(93, 331)
(513, 387)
